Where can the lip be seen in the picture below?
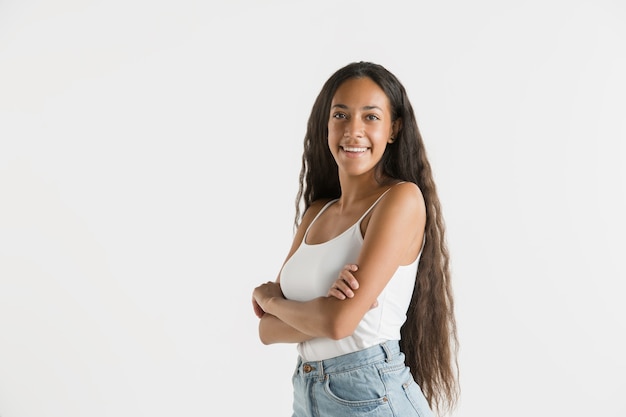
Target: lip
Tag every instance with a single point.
(354, 148)
(354, 151)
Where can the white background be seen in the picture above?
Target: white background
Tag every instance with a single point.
(149, 154)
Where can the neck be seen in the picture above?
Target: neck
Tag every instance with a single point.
(355, 189)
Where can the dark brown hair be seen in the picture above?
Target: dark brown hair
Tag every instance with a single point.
(428, 337)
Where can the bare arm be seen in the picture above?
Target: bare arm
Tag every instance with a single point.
(274, 330)
(394, 234)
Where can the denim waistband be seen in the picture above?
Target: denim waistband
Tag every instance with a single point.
(383, 351)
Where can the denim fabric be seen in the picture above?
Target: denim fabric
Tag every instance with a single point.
(373, 382)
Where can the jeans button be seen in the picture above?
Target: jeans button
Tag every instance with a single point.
(308, 368)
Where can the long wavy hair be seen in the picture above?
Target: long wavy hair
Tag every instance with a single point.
(428, 337)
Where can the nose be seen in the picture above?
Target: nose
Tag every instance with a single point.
(354, 128)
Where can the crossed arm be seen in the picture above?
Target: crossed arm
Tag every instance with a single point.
(394, 234)
(274, 330)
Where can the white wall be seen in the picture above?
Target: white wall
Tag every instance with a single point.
(149, 154)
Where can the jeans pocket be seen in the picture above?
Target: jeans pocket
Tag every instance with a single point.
(362, 387)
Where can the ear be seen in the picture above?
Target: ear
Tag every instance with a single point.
(395, 128)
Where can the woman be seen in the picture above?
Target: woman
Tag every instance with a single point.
(375, 336)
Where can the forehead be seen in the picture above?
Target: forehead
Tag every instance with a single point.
(360, 92)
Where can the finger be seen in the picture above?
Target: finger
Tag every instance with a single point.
(349, 279)
(258, 311)
(343, 286)
(334, 292)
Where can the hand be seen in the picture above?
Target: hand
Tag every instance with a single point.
(258, 311)
(346, 284)
(263, 294)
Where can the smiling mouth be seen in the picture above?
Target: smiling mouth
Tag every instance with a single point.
(353, 149)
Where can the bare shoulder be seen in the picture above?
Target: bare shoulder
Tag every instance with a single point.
(397, 225)
(312, 211)
(405, 197)
(402, 205)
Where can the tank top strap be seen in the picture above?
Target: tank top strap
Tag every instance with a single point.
(376, 202)
(306, 232)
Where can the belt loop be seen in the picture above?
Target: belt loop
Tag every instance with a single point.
(320, 366)
(387, 352)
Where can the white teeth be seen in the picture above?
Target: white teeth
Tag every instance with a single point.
(348, 149)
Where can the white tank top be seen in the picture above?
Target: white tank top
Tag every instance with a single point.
(312, 269)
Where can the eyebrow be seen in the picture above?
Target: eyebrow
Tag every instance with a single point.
(343, 106)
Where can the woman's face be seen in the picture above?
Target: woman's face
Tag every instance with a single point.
(359, 126)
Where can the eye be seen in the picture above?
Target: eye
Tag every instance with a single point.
(372, 117)
(339, 115)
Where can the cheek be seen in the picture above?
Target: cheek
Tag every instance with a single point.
(333, 127)
(379, 137)
(334, 134)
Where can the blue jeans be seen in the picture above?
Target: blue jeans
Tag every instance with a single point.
(373, 382)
